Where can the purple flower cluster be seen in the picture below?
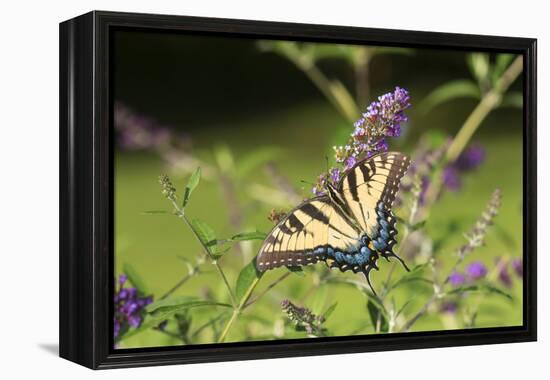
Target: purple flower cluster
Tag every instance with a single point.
(135, 132)
(473, 272)
(449, 307)
(129, 307)
(425, 160)
(332, 177)
(503, 270)
(383, 119)
(468, 160)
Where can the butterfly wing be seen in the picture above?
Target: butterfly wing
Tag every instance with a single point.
(371, 183)
(368, 191)
(306, 234)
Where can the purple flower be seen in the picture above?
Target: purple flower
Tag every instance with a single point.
(129, 307)
(386, 115)
(457, 279)
(451, 180)
(137, 132)
(503, 274)
(382, 119)
(449, 307)
(350, 162)
(470, 158)
(382, 145)
(116, 327)
(335, 175)
(320, 185)
(476, 270)
(134, 320)
(517, 266)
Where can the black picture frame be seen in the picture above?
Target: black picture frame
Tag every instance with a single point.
(86, 190)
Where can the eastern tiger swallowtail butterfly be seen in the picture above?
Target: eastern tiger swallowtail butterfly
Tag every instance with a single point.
(348, 228)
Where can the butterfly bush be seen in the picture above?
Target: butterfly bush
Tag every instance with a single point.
(425, 161)
(129, 307)
(383, 119)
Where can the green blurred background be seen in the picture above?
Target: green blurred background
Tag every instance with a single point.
(228, 98)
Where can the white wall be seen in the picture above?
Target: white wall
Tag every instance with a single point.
(29, 191)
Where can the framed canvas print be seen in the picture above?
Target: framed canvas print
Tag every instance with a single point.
(237, 189)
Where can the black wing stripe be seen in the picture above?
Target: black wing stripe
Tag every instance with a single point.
(285, 229)
(315, 213)
(295, 222)
(352, 185)
(366, 172)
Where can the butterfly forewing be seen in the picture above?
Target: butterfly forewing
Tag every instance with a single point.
(296, 240)
(370, 182)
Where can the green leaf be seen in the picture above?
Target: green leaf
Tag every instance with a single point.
(255, 235)
(512, 99)
(224, 158)
(246, 280)
(155, 212)
(191, 185)
(407, 303)
(415, 275)
(392, 50)
(176, 304)
(482, 288)
(408, 279)
(257, 158)
(136, 279)
(206, 234)
(417, 226)
(318, 299)
(166, 309)
(332, 51)
(330, 310)
(478, 63)
(377, 317)
(460, 88)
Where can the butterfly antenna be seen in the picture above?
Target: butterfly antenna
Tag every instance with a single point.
(326, 160)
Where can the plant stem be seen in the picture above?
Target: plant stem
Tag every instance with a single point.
(488, 102)
(361, 65)
(238, 309)
(433, 298)
(170, 334)
(334, 91)
(207, 324)
(269, 287)
(180, 283)
(180, 213)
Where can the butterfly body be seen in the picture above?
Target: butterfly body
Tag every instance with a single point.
(349, 228)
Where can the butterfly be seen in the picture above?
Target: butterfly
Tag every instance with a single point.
(349, 227)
